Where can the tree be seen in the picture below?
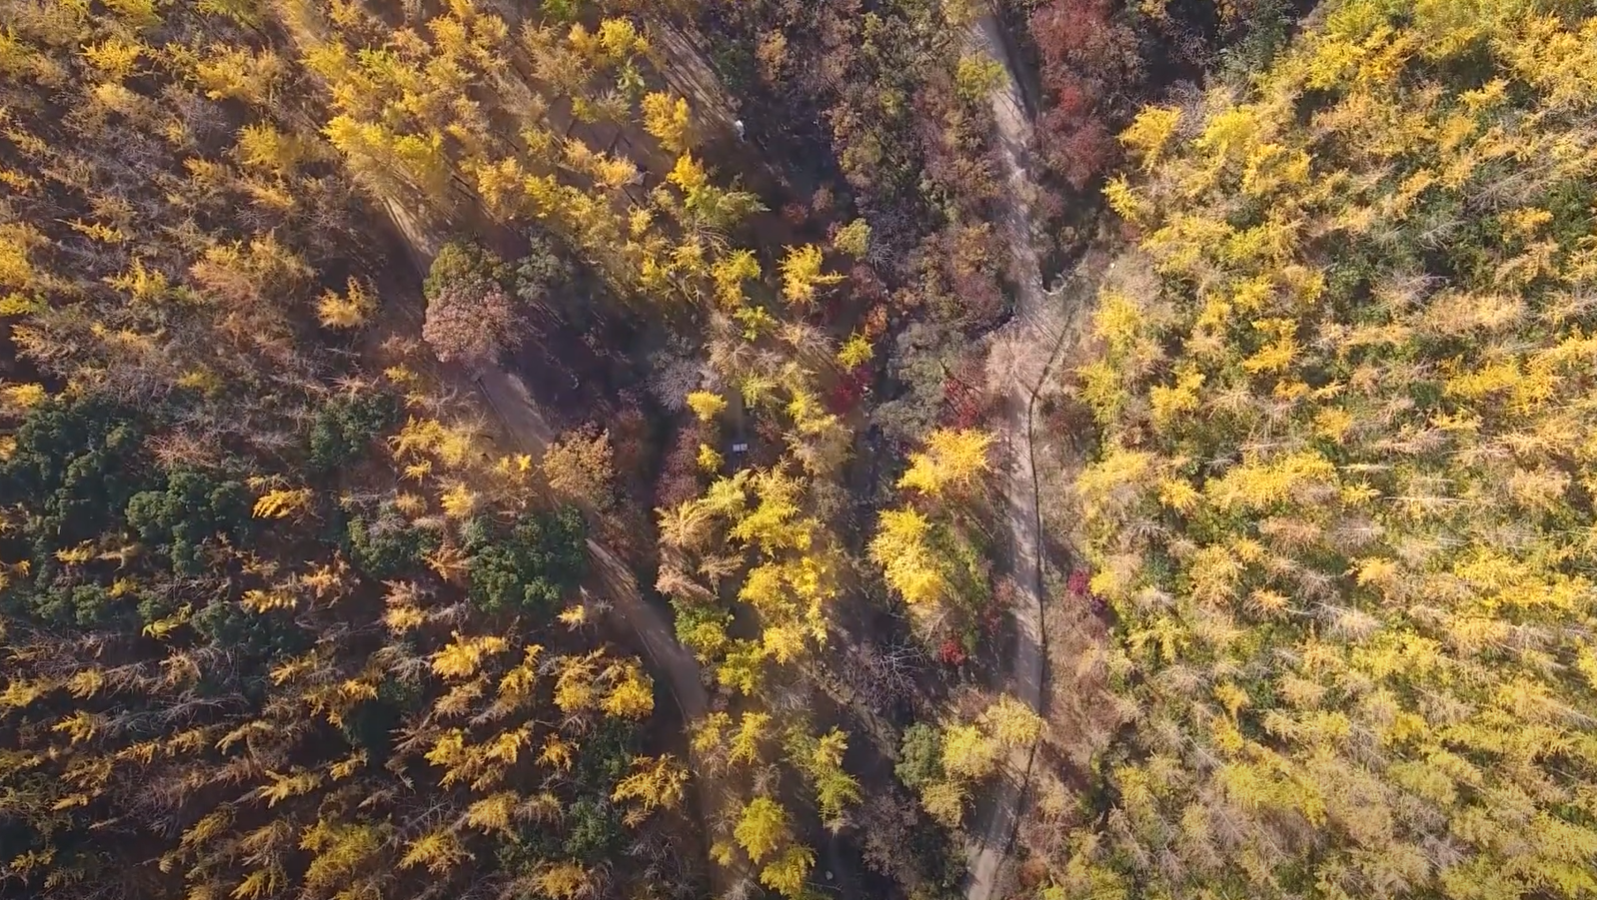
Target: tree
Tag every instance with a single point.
(900, 547)
(668, 120)
(802, 275)
(654, 783)
(579, 467)
(1011, 722)
(472, 323)
(761, 828)
(969, 753)
(920, 760)
(786, 874)
(953, 458)
(541, 558)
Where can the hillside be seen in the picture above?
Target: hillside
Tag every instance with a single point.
(1342, 508)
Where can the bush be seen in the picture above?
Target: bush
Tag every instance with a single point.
(87, 605)
(461, 262)
(531, 568)
(470, 317)
(1091, 68)
(194, 507)
(543, 269)
(264, 636)
(344, 428)
(72, 465)
(920, 758)
(387, 546)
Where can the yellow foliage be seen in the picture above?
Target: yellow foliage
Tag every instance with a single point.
(706, 405)
(802, 275)
(631, 696)
(855, 352)
(900, 548)
(349, 310)
(282, 787)
(953, 458)
(1012, 723)
(1149, 132)
(259, 601)
(969, 753)
(574, 688)
(761, 827)
(557, 754)
(282, 503)
(944, 800)
(86, 683)
(79, 727)
(143, 285)
(162, 628)
(564, 881)
(787, 873)
(654, 782)
(493, 813)
(668, 120)
(461, 657)
(439, 850)
(459, 502)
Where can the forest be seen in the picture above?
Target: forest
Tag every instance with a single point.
(806, 449)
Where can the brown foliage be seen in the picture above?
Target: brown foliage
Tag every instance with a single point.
(472, 323)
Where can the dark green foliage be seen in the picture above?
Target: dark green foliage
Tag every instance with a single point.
(73, 468)
(533, 566)
(258, 636)
(593, 830)
(920, 758)
(85, 605)
(690, 617)
(605, 755)
(923, 357)
(1265, 33)
(369, 726)
(540, 272)
(345, 427)
(193, 507)
(387, 545)
(461, 261)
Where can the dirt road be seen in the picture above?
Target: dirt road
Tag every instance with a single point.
(527, 428)
(516, 409)
(1017, 365)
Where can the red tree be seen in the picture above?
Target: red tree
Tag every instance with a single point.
(1091, 69)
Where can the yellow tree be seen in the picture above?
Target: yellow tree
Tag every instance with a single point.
(900, 547)
(953, 458)
(761, 828)
(802, 274)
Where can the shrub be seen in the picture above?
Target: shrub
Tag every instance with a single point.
(388, 545)
(543, 269)
(920, 758)
(344, 428)
(531, 568)
(193, 507)
(460, 262)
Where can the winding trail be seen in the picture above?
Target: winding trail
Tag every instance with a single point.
(1021, 354)
(526, 426)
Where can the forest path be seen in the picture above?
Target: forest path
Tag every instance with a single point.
(1019, 359)
(527, 427)
(514, 404)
